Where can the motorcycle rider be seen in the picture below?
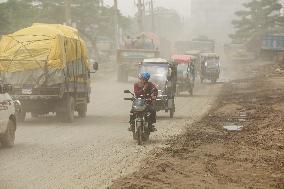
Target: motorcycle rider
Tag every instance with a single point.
(148, 90)
(192, 71)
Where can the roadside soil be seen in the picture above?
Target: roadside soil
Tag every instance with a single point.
(209, 156)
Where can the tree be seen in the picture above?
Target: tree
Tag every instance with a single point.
(15, 14)
(89, 16)
(259, 18)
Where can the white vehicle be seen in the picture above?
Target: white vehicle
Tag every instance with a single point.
(8, 123)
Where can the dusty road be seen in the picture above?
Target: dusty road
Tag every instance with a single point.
(91, 152)
(209, 156)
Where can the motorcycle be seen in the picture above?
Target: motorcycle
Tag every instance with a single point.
(140, 130)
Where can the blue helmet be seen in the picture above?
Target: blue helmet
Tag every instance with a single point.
(145, 76)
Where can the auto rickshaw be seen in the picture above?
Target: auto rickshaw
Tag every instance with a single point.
(209, 67)
(185, 73)
(163, 74)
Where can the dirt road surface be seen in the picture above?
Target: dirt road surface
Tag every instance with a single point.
(91, 152)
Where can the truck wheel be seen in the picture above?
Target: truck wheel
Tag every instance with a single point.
(214, 80)
(177, 92)
(21, 116)
(172, 112)
(59, 116)
(70, 109)
(8, 138)
(82, 110)
(34, 115)
(122, 75)
(191, 91)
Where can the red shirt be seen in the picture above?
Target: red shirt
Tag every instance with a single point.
(150, 90)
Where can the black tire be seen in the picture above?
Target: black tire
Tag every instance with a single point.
(213, 80)
(59, 116)
(21, 116)
(139, 135)
(177, 92)
(172, 112)
(82, 110)
(146, 136)
(191, 91)
(34, 115)
(69, 109)
(8, 139)
(122, 75)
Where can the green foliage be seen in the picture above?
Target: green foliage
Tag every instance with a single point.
(258, 18)
(15, 14)
(90, 18)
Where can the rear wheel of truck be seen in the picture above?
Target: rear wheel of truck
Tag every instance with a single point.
(82, 110)
(68, 114)
(213, 80)
(8, 138)
(172, 112)
(122, 75)
(191, 91)
(21, 116)
(34, 114)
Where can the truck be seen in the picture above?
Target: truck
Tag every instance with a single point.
(48, 67)
(201, 44)
(130, 56)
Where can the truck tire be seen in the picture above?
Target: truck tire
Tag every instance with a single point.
(8, 139)
(82, 110)
(122, 75)
(34, 114)
(69, 104)
(21, 116)
(172, 112)
(214, 80)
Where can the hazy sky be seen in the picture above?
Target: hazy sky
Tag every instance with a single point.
(128, 6)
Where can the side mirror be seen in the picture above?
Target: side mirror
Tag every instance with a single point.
(96, 66)
(127, 92)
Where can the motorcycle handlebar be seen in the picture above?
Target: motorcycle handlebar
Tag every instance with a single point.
(128, 98)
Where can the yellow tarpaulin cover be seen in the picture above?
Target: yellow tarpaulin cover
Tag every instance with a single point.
(41, 46)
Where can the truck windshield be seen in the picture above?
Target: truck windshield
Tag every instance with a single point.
(212, 62)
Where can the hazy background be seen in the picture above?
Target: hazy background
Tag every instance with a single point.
(128, 7)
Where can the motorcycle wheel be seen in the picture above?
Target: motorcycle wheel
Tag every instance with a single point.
(146, 136)
(139, 135)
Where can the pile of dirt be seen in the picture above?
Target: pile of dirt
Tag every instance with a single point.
(209, 156)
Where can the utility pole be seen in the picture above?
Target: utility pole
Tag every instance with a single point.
(67, 5)
(152, 16)
(140, 18)
(115, 22)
